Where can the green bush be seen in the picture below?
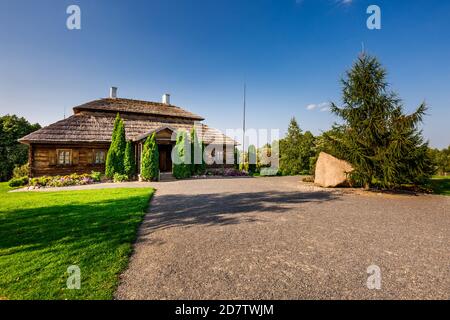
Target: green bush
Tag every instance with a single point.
(116, 153)
(269, 171)
(251, 159)
(96, 176)
(181, 164)
(21, 171)
(62, 181)
(150, 159)
(129, 163)
(120, 177)
(18, 182)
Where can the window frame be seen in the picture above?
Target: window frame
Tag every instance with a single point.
(58, 155)
(94, 158)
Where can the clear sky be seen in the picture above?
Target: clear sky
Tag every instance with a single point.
(291, 54)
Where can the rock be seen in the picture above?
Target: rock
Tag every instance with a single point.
(331, 172)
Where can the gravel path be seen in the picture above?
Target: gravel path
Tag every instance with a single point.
(278, 238)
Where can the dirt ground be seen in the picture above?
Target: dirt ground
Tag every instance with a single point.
(279, 238)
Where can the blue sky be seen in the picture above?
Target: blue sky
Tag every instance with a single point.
(290, 53)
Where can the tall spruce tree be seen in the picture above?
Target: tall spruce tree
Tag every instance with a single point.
(383, 144)
(290, 157)
(116, 152)
(150, 159)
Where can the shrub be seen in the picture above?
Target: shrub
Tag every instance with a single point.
(269, 172)
(181, 165)
(21, 171)
(120, 177)
(129, 163)
(116, 152)
(96, 176)
(150, 159)
(18, 182)
(251, 159)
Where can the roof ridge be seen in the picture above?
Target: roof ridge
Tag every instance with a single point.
(137, 106)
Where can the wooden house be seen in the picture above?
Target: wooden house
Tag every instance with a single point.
(79, 144)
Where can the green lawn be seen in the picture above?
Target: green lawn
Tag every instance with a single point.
(43, 233)
(440, 185)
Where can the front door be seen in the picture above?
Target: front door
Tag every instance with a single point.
(165, 157)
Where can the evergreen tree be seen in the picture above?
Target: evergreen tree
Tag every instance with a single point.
(111, 155)
(116, 153)
(129, 163)
(382, 143)
(197, 165)
(290, 157)
(150, 159)
(252, 160)
(181, 164)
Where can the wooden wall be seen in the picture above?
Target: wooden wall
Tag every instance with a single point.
(43, 159)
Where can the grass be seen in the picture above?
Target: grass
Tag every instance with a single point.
(440, 185)
(43, 233)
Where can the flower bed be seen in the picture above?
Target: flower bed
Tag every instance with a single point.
(65, 181)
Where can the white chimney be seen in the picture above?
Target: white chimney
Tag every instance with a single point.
(113, 92)
(166, 99)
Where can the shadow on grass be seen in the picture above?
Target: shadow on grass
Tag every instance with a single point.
(222, 209)
(74, 224)
(440, 186)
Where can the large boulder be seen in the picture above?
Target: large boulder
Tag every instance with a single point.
(331, 172)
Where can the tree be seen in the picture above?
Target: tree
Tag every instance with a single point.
(382, 143)
(252, 160)
(13, 153)
(441, 160)
(182, 163)
(116, 152)
(290, 157)
(150, 159)
(129, 163)
(197, 165)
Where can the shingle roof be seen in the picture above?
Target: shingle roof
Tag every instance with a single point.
(98, 126)
(137, 107)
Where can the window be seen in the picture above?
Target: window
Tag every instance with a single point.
(99, 156)
(64, 157)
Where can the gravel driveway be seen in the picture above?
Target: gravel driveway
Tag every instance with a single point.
(278, 238)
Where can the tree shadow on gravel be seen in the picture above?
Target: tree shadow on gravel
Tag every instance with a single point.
(222, 209)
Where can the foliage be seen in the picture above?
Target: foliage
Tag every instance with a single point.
(237, 156)
(297, 151)
(21, 171)
(268, 171)
(252, 160)
(93, 229)
(441, 160)
(382, 143)
(96, 176)
(120, 177)
(18, 182)
(181, 164)
(116, 152)
(129, 163)
(440, 185)
(65, 181)
(198, 164)
(150, 159)
(13, 153)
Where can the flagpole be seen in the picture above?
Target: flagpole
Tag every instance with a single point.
(243, 124)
